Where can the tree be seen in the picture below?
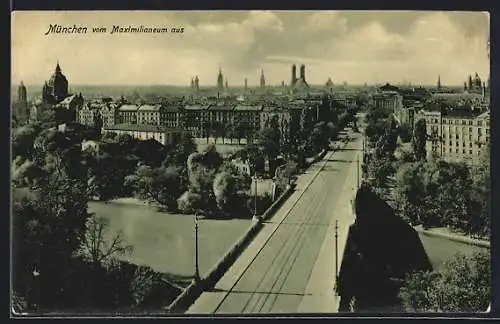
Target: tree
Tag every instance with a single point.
(419, 140)
(318, 139)
(269, 142)
(189, 202)
(97, 248)
(462, 286)
(480, 204)
(161, 185)
(23, 139)
(179, 151)
(150, 152)
(224, 187)
(47, 228)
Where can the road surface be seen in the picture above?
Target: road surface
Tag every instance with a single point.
(289, 267)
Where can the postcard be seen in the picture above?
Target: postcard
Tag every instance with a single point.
(250, 162)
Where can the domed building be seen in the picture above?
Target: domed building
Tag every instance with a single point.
(56, 103)
(56, 89)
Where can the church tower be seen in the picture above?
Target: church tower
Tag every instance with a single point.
(220, 80)
(439, 83)
(294, 75)
(21, 110)
(262, 79)
(22, 94)
(197, 84)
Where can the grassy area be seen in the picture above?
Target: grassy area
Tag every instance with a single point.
(440, 249)
(165, 242)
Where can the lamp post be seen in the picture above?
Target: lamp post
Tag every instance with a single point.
(196, 267)
(255, 216)
(336, 253)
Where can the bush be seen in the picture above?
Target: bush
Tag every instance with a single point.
(462, 286)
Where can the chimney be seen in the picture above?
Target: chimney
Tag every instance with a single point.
(303, 72)
(294, 74)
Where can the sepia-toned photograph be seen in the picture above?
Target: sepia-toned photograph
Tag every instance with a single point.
(233, 163)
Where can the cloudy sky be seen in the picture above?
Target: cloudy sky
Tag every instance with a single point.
(352, 46)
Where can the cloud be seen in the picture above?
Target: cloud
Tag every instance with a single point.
(378, 46)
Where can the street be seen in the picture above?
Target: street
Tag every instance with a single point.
(289, 267)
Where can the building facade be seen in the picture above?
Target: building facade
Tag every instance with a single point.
(458, 136)
(388, 101)
(164, 135)
(149, 114)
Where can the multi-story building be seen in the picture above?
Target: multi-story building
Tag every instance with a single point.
(88, 113)
(171, 115)
(127, 114)
(274, 117)
(196, 120)
(109, 114)
(246, 120)
(220, 118)
(162, 134)
(388, 100)
(457, 135)
(148, 114)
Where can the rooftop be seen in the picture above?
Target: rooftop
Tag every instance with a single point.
(141, 128)
(248, 108)
(221, 108)
(128, 108)
(149, 108)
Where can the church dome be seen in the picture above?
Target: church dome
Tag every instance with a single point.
(57, 77)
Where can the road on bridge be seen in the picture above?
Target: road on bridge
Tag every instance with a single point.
(289, 267)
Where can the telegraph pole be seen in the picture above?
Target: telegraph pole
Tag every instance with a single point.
(196, 268)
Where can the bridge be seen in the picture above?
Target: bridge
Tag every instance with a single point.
(292, 264)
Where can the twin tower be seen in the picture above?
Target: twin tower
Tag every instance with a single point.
(302, 79)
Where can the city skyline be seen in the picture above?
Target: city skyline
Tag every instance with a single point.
(415, 47)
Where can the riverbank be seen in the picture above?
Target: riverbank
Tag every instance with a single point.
(444, 232)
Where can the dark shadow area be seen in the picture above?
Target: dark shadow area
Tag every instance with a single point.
(381, 249)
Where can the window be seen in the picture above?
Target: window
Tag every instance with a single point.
(479, 123)
(456, 150)
(456, 143)
(463, 122)
(470, 129)
(470, 144)
(463, 151)
(450, 150)
(470, 152)
(450, 143)
(470, 122)
(456, 136)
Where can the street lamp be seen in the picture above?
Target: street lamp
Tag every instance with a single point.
(255, 216)
(336, 253)
(196, 267)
